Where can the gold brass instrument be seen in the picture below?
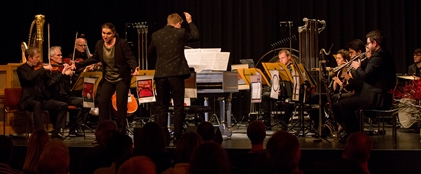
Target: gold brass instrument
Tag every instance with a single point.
(35, 40)
(335, 70)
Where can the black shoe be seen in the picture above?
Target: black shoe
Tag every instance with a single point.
(343, 139)
(76, 132)
(56, 135)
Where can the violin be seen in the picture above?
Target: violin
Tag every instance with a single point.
(38, 66)
(57, 67)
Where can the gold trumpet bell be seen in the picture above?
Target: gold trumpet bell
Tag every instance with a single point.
(23, 47)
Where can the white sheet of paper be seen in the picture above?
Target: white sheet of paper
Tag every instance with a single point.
(274, 92)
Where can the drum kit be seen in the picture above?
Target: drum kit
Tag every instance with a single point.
(409, 110)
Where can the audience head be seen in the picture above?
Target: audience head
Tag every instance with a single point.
(256, 132)
(103, 127)
(206, 131)
(355, 47)
(209, 158)
(150, 140)
(283, 152)
(37, 141)
(186, 146)
(138, 165)
(119, 145)
(54, 158)
(6, 149)
(358, 147)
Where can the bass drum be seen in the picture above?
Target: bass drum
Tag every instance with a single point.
(407, 112)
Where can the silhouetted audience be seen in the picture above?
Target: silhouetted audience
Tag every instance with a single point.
(183, 152)
(119, 149)
(208, 133)
(37, 141)
(209, 158)
(150, 142)
(55, 158)
(96, 157)
(358, 148)
(257, 134)
(138, 165)
(283, 153)
(6, 151)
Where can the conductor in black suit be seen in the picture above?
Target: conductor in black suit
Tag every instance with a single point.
(171, 68)
(34, 95)
(379, 78)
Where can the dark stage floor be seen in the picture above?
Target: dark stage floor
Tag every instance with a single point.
(404, 158)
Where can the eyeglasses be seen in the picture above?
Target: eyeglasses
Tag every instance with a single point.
(368, 43)
(81, 45)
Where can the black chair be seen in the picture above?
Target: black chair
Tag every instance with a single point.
(382, 113)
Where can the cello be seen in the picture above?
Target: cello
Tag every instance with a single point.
(131, 104)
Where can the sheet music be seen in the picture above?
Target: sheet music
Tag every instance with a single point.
(211, 59)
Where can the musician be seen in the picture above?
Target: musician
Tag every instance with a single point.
(339, 80)
(355, 83)
(34, 95)
(59, 86)
(415, 69)
(80, 49)
(118, 66)
(285, 92)
(379, 79)
(171, 68)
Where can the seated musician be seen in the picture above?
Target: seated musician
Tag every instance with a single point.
(59, 85)
(284, 56)
(415, 68)
(340, 80)
(378, 76)
(80, 49)
(35, 96)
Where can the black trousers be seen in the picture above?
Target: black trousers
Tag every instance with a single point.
(166, 88)
(57, 109)
(82, 113)
(265, 106)
(107, 90)
(345, 113)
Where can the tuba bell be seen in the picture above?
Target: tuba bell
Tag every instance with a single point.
(35, 39)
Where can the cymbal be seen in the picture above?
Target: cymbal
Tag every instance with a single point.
(408, 77)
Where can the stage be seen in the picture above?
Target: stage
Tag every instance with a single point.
(405, 158)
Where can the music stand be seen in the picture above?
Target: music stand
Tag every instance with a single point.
(245, 74)
(133, 84)
(78, 86)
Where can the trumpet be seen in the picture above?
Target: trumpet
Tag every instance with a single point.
(334, 71)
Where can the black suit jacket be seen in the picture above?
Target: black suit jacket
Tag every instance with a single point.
(168, 43)
(123, 57)
(28, 79)
(379, 78)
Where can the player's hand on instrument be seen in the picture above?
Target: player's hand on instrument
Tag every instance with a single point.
(47, 67)
(337, 80)
(356, 64)
(188, 17)
(135, 72)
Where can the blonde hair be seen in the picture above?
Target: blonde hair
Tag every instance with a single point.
(174, 19)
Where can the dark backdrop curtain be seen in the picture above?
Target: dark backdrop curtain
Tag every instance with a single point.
(246, 28)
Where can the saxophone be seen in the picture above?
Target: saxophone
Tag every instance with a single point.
(35, 40)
